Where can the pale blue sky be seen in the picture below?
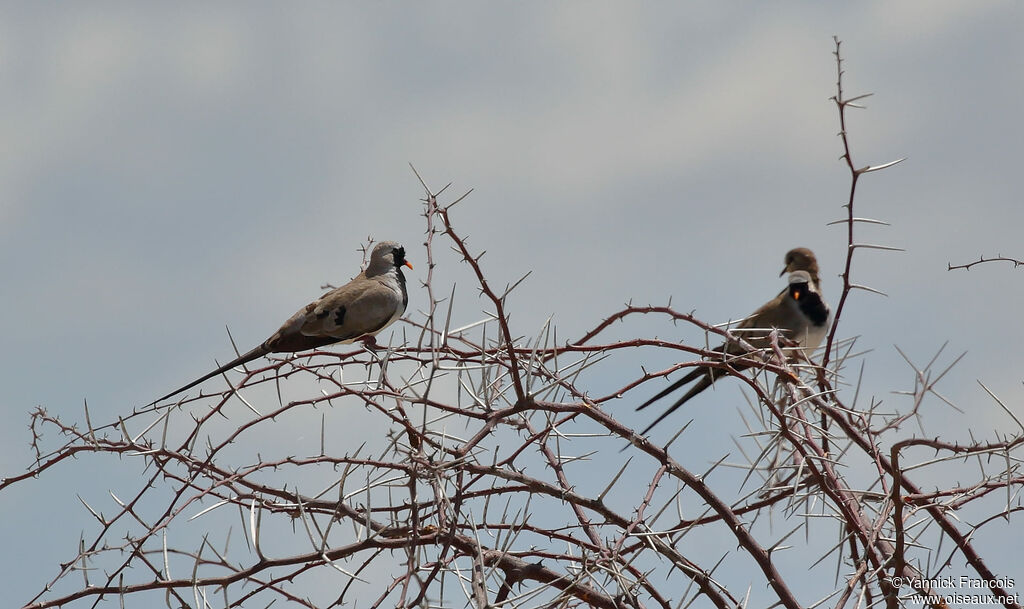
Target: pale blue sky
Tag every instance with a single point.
(169, 169)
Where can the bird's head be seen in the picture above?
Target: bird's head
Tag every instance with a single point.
(801, 259)
(385, 256)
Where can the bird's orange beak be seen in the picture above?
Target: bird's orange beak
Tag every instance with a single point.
(408, 264)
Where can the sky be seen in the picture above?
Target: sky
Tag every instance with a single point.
(171, 169)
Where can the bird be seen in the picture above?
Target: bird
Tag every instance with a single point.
(372, 301)
(799, 311)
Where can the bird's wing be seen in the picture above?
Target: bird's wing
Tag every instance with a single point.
(351, 311)
(781, 312)
(773, 313)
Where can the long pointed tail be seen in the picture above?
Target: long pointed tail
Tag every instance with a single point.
(706, 379)
(692, 376)
(706, 375)
(259, 351)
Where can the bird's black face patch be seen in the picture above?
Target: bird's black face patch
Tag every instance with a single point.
(399, 255)
(810, 302)
(798, 290)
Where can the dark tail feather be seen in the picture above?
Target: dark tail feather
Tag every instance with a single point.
(692, 376)
(259, 351)
(706, 379)
(707, 376)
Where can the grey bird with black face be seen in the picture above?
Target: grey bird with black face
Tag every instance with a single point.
(799, 312)
(372, 301)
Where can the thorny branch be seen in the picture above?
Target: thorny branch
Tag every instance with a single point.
(983, 260)
(486, 474)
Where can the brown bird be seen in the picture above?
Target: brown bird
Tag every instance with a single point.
(798, 311)
(372, 301)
